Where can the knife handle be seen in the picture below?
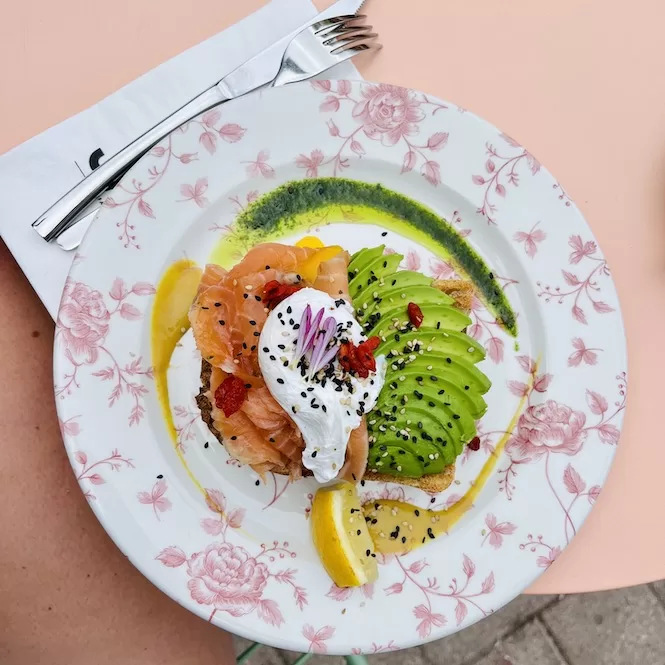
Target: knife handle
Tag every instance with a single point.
(62, 214)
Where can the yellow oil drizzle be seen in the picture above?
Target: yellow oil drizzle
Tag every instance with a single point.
(401, 527)
(175, 293)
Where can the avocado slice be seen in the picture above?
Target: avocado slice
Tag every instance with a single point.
(452, 424)
(415, 383)
(388, 299)
(459, 370)
(435, 317)
(369, 277)
(362, 258)
(448, 342)
(423, 428)
(404, 461)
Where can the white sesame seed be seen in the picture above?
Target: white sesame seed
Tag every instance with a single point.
(236, 361)
(401, 378)
(384, 454)
(429, 367)
(399, 468)
(249, 287)
(402, 412)
(403, 295)
(235, 282)
(429, 348)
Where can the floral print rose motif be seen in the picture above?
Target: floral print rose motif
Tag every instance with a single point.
(83, 324)
(229, 578)
(388, 114)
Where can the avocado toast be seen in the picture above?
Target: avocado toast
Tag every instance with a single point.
(433, 391)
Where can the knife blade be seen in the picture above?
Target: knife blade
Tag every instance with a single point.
(254, 73)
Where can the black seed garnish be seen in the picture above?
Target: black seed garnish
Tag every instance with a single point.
(434, 378)
(325, 410)
(244, 345)
(233, 438)
(396, 337)
(266, 349)
(202, 307)
(419, 396)
(314, 454)
(221, 322)
(466, 387)
(257, 333)
(253, 348)
(218, 304)
(160, 476)
(252, 322)
(310, 389)
(420, 425)
(271, 440)
(455, 416)
(358, 533)
(245, 295)
(438, 325)
(368, 552)
(285, 363)
(385, 264)
(206, 444)
(257, 483)
(280, 380)
(417, 512)
(273, 358)
(384, 234)
(257, 298)
(426, 436)
(289, 310)
(448, 360)
(450, 425)
(362, 483)
(491, 275)
(281, 346)
(431, 404)
(430, 533)
(293, 408)
(248, 386)
(315, 406)
(441, 392)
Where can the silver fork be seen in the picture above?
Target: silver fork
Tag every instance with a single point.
(311, 52)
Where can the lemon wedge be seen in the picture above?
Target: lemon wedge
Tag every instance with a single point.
(341, 537)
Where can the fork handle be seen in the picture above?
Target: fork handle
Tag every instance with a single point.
(63, 212)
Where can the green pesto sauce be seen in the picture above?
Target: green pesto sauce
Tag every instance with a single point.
(302, 204)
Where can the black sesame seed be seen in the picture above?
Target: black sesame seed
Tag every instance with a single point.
(253, 347)
(233, 438)
(358, 532)
(417, 512)
(245, 295)
(280, 381)
(430, 533)
(248, 386)
(466, 387)
(257, 333)
(160, 476)
(273, 358)
(281, 346)
(218, 304)
(441, 391)
(314, 454)
(368, 552)
(293, 408)
(206, 444)
(403, 539)
(252, 322)
(289, 310)
(431, 404)
(271, 440)
(257, 298)
(325, 410)
(244, 345)
(285, 363)
(267, 267)
(221, 322)
(432, 500)
(455, 416)
(257, 483)
(434, 378)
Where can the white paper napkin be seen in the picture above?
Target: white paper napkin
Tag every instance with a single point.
(38, 172)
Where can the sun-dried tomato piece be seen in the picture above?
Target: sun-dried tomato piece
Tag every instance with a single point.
(230, 395)
(474, 444)
(359, 359)
(415, 315)
(274, 292)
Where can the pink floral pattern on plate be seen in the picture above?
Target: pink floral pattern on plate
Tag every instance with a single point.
(242, 558)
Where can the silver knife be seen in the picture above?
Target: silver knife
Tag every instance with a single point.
(69, 218)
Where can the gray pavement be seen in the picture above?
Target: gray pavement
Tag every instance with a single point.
(623, 627)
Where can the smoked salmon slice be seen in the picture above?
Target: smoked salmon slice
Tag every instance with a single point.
(227, 317)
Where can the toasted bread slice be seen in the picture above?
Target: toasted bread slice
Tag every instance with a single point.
(462, 292)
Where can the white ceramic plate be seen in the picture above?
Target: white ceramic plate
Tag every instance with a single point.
(244, 559)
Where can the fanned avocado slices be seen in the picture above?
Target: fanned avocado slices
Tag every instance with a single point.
(433, 392)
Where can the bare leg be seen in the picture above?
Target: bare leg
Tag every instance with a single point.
(67, 594)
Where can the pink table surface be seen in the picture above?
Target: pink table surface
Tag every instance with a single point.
(579, 83)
